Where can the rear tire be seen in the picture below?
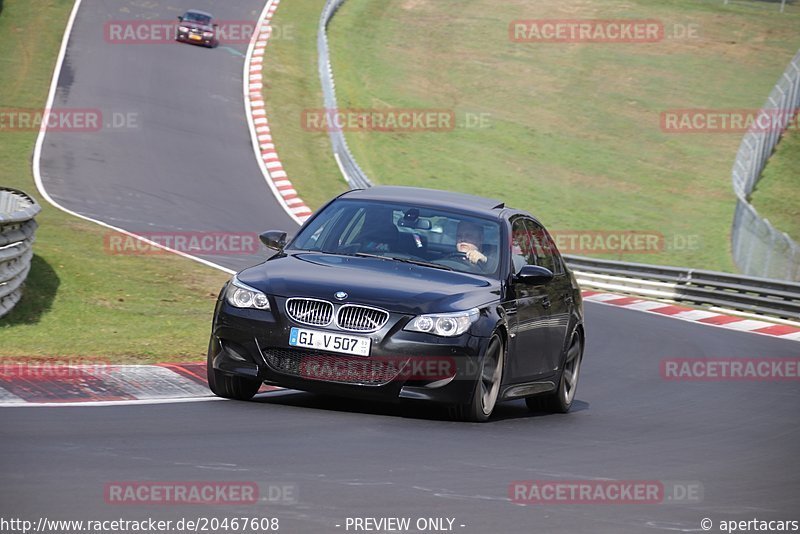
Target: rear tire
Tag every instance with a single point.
(560, 401)
(230, 386)
(487, 386)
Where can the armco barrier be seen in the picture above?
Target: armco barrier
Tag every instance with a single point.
(746, 294)
(17, 233)
(352, 173)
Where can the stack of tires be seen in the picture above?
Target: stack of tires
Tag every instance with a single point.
(17, 233)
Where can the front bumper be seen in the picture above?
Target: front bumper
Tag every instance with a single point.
(255, 344)
(189, 37)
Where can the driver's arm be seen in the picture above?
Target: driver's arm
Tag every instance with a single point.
(475, 256)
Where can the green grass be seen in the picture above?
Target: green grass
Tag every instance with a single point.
(777, 195)
(80, 301)
(573, 131)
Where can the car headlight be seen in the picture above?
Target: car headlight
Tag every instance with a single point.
(443, 324)
(208, 34)
(184, 29)
(241, 295)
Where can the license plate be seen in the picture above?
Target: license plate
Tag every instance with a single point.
(329, 341)
(195, 38)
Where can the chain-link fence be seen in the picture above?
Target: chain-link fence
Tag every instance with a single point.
(759, 249)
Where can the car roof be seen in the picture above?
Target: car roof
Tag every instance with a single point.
(428, 197)
(198, 12)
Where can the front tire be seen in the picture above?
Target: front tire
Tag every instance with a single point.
(487, 387)
(230, 386)
(560, 401)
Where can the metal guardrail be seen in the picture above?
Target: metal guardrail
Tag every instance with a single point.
(735, 292)
(352, 173)
(17, 233)
(747, 294)
(782, 2)
(759, 249)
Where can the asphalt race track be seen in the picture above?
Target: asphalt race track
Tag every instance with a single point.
(739, 440)
(184, 163)
(190, 167)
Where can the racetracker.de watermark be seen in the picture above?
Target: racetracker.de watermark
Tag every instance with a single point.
(52, 119)
(586, 31)
(227, 32)
(617, 242)
(730, 369)
(378, 120)
(61, 369)
(605, 492)
(379, 368)
(65, 120)
(607, 241)
(152, 243)
(181, 492)
(732, 121)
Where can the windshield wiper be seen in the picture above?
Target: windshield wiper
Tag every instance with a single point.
(426, 264)
(320, 251)
(422, 263)
(366, 255)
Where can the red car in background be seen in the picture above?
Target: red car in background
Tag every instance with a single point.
(197, 27)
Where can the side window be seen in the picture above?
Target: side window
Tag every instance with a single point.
(522, 252)
(545, 249)
(550, 246)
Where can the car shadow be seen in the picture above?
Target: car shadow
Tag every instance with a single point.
(38, 294)
(518, 410)
(409, 409)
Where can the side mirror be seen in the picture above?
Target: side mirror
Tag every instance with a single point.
(215, 25)
(274, 239)
(534, 275)
(180, 18)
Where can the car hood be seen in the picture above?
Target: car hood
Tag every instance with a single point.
(392, 285)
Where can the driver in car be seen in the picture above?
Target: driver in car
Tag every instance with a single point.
(469, 239)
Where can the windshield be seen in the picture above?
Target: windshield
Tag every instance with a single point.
(199, 18)
(441, 238)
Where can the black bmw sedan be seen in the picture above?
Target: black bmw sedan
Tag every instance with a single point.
(406, 293)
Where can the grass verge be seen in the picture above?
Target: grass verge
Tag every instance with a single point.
(571, 132)
(81, 302)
